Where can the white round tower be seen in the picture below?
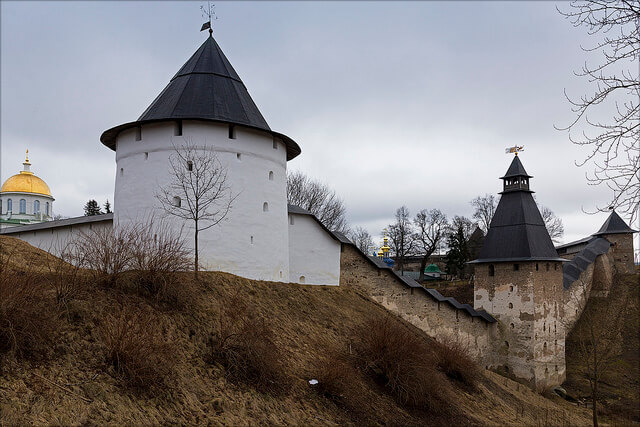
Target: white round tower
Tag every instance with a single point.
(207, 105)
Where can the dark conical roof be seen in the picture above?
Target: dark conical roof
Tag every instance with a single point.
(516, 169)
(517, 231)
(206, 88)
(614, 225)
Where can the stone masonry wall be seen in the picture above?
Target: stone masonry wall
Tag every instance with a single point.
(621, 252)
(437, 319)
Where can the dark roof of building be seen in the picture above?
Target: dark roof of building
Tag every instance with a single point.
(59, 223)
(575, 243)
(517, 231)
(614, 225)
(571, 271)
(516, 169)
(205, 88)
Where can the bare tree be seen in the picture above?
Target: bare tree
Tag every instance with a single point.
(401, 236)
(431, 229)
(465, 224)
(319, 199)
(613, 142)
(485, 206)
(199, 190)
(362, 239)
(595, 341)
(553, 224)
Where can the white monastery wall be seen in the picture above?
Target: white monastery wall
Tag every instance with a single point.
(314, 256)
(54, 239)
(252, 241)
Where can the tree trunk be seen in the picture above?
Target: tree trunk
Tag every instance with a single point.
(196, 249)
(423, 265)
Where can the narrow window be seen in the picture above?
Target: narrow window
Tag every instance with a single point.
(510, 305)
(556, 368)
(177, 202)
(270, 175)
(252, 240)
(281, 274)
(512, 326)
(545, 346)
(301, 279)
(139, 133)
(492, 270)
(547, 266)
(516, 267)
(291, 220)
(555, 266)
(275, 144)
(265, 207)
(146, 155)
(510, 288)
(507, 344)
(177, 129)
(537, 267)
(232, 132)
(239, 156)
(23, 206)
(36, 207)
(9, 205)
(189, 165)
(121, 171)
(46, 208)
(544, 327)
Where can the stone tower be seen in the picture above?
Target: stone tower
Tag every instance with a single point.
(207, 104)
(616, 231)
(519, 281)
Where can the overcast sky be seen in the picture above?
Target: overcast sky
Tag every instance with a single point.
(392, 103)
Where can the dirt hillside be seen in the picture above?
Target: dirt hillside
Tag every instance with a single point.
(75, 384)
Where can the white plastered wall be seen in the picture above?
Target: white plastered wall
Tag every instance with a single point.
(29, 198)
(313, 254)
(250, 242)
(54, 239)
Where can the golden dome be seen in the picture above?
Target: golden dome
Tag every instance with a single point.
(26, 182)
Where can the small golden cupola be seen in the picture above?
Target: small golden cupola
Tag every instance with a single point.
(26, 182)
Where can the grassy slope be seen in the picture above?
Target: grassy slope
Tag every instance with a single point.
(620, 386)
(308, 320)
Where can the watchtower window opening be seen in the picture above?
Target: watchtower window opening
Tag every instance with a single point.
(302, 279)
(512, 326)
(275, 144)
(252, 240)
(270, 175)
(510, 305)
(555, 266)
(146, 155)
(537, 266)
(239, 156)
(492, 270)
(189, 165)
(511, 288)
(265, 207)
(121, 171)
(177, 128)
(547, 267)
(232, 132)
(139, 133)
(516, 267)
(23, 206)
(507, 344)
(177, 202)
(291, 220)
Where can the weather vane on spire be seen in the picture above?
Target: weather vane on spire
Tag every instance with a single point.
(515, 149)
(210, 13)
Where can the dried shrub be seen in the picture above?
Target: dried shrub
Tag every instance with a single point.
(454, 361)
(66, 275)
(402, 362)
(28, 319)
(137, 347)
(106, 251)
(158, 253)
(244, 344)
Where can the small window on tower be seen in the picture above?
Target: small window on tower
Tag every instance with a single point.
(302, 279)
(232, 132)
(121, 171)
(275, 144)
(146, 155)
(177, 129)
(492, 270)
(239, 156)
(265, 207)
(555, 266)
(516, 267)
(510, 305)
(139, 133)
(291, 220)
(270, 175)
(537, 267)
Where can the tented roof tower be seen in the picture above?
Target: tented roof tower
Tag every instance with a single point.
(517, 231)
(205, 88)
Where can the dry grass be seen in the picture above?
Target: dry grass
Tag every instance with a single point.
(244, 343)
(403, 363)
(136, 347)
(453, 360)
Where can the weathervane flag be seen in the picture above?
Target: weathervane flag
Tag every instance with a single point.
(206, 25)
(516, 149)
